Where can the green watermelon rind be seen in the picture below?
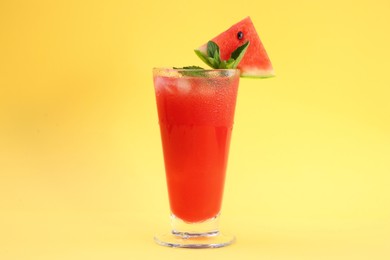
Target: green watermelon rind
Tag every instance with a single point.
(252, 76)
(254, 73)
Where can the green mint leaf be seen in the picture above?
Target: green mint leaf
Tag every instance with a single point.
(216, 57)
(212, 48)
(213, 62)
(204, 58)
(192, 71)
(189, 68)
(229, 63)
(222, 65)
(238, 54)
(214, 53)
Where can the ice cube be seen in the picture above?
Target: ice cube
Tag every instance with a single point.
(183, 85)
(159, 83)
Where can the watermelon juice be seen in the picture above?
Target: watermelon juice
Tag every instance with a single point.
(196, 111)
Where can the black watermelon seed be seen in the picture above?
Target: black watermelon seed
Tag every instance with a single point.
(240, 35)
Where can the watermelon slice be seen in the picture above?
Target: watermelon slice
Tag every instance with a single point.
(255, 62)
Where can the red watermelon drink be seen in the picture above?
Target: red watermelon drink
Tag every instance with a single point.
(196, 119)
(196, 111)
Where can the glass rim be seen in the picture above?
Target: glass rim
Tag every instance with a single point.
(188, 73)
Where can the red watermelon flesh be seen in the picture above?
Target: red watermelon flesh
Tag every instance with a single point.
(255, 62)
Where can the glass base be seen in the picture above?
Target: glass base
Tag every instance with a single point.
(203, 234)
(199, 240)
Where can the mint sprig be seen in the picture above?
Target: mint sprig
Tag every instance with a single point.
(213, 59)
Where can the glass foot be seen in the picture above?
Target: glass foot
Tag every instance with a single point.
(194, 240)
(204, 234)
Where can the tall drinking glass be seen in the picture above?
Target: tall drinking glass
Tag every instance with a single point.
(196, 112)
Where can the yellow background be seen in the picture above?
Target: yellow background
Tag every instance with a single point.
(81, 169)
